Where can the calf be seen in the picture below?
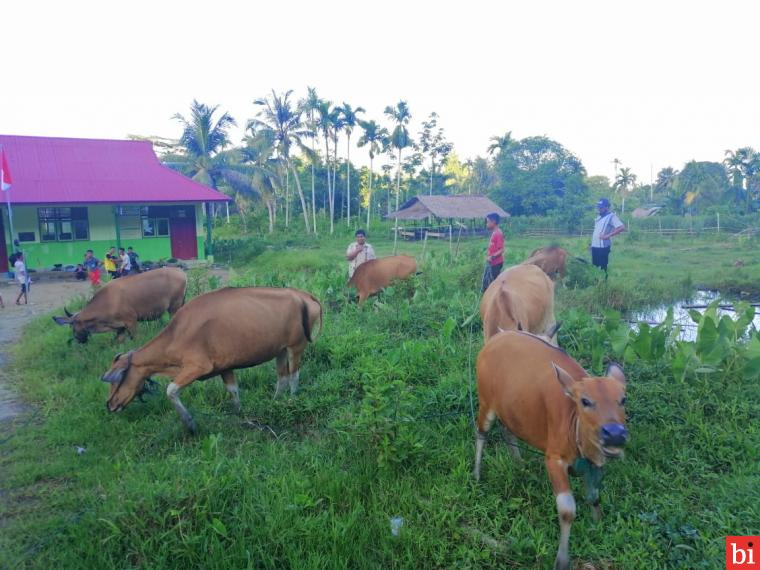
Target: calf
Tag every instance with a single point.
(521, 298)
(545, 398)
(373, 276)
(216, 334)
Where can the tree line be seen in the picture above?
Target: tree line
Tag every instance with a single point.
(295, 161)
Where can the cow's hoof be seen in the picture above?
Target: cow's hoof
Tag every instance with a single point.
(562, 564)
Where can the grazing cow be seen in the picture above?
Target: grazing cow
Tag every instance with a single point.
(375, 275)
(520, 298)
(120, 304)
(545, 398)
(216, 334)
(551, 259)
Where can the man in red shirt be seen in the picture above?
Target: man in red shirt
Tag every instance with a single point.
(495, 258)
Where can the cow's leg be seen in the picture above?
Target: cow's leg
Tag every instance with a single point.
(184, 378)
(511, 440)
(294, 366)
(228, 377)
(283, 372)
(557, 469)
(483, 424)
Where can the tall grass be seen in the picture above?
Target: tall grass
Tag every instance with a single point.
(382, 428)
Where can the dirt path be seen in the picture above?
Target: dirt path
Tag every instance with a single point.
(44, 297)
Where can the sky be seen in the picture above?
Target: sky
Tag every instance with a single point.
(653, 84)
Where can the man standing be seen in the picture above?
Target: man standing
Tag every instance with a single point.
(359, 252)
(495, 253)
(606, 226)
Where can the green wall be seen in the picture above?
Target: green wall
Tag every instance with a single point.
(102, 236)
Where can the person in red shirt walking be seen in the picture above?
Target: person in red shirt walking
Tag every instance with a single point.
(495, 255)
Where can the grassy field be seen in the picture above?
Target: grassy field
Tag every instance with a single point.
(381, 428)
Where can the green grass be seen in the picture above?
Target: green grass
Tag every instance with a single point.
(381, 428)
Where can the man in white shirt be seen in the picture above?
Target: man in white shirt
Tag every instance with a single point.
(19, 268)
(606, 226)
(359, 252)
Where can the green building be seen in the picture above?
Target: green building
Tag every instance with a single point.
(70, 195)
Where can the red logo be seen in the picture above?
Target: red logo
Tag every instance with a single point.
(742, 552)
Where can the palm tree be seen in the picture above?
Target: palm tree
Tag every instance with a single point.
(327, 121)
(743, 165)
(624, 181)
(665, 178)
(279, 115)
(400, 136)
(258, 170)
(501, 143)
(202, 141)
(377, 138)
(350, 119)
(310, 106)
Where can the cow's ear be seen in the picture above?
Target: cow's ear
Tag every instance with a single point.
(114, 376)
(615, 371)
(565, 380)
(62, 321)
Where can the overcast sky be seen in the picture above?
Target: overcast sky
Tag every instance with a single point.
(651, 83)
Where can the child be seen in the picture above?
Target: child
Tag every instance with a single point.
(92, 265)
(109, 263)
(20, 269)
(495, 256)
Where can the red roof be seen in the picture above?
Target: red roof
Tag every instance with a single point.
(89, 171)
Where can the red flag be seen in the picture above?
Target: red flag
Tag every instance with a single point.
(5, 173)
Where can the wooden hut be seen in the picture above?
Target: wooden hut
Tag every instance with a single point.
(443, 215)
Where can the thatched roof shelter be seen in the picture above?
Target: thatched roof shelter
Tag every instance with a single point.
(646, 212)
(460, 207)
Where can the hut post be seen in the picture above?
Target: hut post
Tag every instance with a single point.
(717, 218)
(450, 244)
(395, 235)
(424, 245)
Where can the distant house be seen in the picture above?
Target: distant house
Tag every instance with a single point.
(646, 212)
(70, 195)
(447, 207)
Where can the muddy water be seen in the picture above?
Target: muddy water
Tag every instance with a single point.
(682, 320)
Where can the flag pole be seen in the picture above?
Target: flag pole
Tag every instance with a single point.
(8, 203)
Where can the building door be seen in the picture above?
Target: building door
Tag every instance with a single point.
(182, 231)
(3, 247)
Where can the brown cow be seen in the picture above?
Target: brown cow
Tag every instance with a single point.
(120, 304)
(545, 398)
(375, 275)
(551, 259)
(216, 334)
(520, 298)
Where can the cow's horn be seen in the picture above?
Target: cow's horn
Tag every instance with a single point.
(65, 310)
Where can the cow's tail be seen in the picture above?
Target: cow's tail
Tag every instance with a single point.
(307, 329)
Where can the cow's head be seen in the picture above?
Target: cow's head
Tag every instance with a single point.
(600, 411)
(126, 380)
(79, 326)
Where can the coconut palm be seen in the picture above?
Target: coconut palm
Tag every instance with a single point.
(399, 139)
(743, 165)
(203, 140)
(500, 144)
(310, 106)
(280, 116)
(350, 119)
(624, 182)
(665, 178)
(376, 137)
(328, 118)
